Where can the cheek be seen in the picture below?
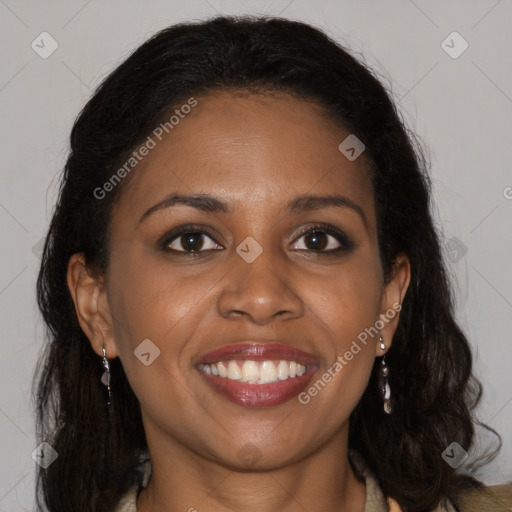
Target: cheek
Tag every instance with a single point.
(154, 302)
(348, 300)
(156, 314)
(347, 308)
(152, 298)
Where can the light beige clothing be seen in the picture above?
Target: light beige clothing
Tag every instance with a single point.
(491, 499)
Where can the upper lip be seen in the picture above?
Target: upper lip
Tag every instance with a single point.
(256, 351)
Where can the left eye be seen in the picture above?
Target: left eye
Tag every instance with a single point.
(322, 240)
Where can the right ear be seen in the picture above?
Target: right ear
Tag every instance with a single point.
(91, 305)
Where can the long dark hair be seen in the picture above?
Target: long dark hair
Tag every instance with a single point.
(433, 389)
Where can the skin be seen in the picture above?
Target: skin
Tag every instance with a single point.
(256, 152)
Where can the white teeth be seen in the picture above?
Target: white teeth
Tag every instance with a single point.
(223, 371)
(234, 371)
(256, 372)
(283, 370)
(250, 371)
(268, 372)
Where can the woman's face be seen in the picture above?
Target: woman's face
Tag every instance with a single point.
(254, 281)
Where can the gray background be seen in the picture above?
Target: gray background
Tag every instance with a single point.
(461, 108)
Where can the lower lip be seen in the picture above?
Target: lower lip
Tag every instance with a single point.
(259, 395)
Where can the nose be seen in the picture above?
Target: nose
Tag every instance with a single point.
(262, 290)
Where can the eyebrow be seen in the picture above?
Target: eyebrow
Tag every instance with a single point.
(211, 204)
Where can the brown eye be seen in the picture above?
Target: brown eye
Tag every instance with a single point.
(316, 241)
(190, 241)
(323, 240)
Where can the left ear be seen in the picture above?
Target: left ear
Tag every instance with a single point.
(392, 298)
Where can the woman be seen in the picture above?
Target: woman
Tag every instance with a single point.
(245, 294)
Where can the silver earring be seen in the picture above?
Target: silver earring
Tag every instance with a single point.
(384, 384)
(105, 378)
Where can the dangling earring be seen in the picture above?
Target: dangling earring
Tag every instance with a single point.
(105, 378)
(384, 384)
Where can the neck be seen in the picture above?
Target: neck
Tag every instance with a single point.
(185, 481)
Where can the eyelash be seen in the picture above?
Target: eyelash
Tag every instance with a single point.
(345, 243)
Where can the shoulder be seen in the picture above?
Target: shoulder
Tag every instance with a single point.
(128, 502)
(494, 498)
(469, 494)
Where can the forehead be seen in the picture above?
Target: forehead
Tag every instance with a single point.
(249, 149)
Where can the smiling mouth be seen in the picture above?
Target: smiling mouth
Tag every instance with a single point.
(256, 375)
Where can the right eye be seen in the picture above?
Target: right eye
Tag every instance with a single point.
(190, 240)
